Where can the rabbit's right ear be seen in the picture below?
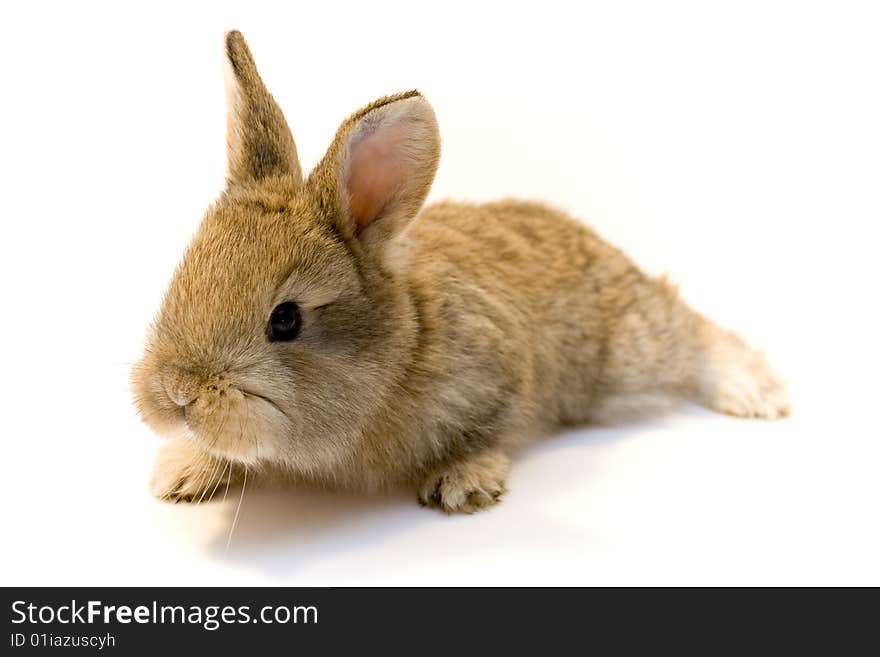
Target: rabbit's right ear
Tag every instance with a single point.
(259, 142)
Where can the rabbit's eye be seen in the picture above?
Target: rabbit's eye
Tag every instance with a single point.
(285, 322)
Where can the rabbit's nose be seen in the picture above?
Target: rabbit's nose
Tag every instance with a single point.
(181, 387)
(180, 397)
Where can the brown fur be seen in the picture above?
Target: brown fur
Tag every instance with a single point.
(433, 342)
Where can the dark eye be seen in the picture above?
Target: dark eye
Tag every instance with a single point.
(285, 322)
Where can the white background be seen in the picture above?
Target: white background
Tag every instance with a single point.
(735, 146)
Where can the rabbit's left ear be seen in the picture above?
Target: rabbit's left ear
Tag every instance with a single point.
(259, 143)
(379, 169)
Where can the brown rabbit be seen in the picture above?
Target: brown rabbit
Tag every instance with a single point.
(332, 329)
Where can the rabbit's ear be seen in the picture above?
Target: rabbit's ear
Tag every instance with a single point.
(380, 167)
(259, 142)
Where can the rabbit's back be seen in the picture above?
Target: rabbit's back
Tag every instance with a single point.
(520, 296)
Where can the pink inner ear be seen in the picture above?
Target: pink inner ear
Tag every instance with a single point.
(376, 170)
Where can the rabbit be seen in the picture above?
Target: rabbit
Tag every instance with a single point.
(331, 329)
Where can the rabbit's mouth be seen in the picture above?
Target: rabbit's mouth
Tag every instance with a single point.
(221, 413)
(236, 424)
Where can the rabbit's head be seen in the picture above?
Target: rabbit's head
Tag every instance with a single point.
(283, 328)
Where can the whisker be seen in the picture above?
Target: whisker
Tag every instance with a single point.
(200, 478)
(214, 441)
(208, 484)
(237, 510)
(219, 432)
(228, 479)
(241, 427)
(253, 436)
(219, 479)
(247, 410)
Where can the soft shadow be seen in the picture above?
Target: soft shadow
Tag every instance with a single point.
(296, 523)
(281, 531)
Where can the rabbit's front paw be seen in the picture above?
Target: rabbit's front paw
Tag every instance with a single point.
(740, 382)
(466, 486)
(186, 474)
